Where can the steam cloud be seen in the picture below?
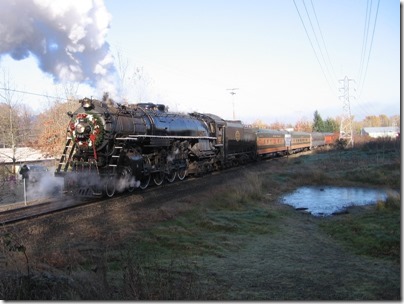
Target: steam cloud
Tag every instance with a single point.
(46, 186)
(67, 37)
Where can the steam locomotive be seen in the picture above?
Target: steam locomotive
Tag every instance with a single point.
(112, 147)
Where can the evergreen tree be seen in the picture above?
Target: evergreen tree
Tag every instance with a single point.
(331, 125)
(318, 123)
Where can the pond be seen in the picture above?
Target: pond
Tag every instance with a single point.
(323, 201)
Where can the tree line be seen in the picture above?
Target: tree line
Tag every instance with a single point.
(47, 131)
(332, 125)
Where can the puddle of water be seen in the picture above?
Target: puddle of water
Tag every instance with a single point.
(323, 201)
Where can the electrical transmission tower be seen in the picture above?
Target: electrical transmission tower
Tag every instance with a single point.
(345, 130)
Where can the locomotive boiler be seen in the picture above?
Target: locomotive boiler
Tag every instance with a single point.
(112, 147)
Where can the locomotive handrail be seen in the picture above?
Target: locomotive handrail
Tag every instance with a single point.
(135, 137)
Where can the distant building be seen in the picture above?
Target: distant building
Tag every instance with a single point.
(23, 155)
(376, 132)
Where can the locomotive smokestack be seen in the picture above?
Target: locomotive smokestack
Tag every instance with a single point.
(67, 37)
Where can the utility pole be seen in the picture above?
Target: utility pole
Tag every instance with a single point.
(232, 94)
(345, 130)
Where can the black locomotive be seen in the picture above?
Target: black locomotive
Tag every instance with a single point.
(112, 147)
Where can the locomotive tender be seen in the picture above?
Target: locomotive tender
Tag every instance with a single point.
(112, 147)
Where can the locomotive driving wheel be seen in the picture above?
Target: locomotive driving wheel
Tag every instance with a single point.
(146, 176)
(158, 177)
(129, 180)
(171, 176)
(172, 173)
(110, 186)
(182, 172)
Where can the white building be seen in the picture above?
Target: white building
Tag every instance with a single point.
(28, 155)
(376, 132)
(23, 155)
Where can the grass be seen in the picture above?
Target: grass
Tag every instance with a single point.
(375, 232)
(239, 243)
(228, 223)
(214, 228)
(216, 225)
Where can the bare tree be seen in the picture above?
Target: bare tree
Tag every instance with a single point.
(52, 125)
(277, 125)
(141, 82)
(122, 66)
(26, 121)
(134, 83)
(258, 123)
(14, 119)
(303, 125)
(395, 121)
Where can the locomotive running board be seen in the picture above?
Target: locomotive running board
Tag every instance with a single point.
(136, 137)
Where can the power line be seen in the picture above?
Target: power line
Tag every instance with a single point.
(30, 93)
(314, 32)
(368, 36)
(364, 38)
(311, 43)
(362, 81)
(322, 38)
(315, 36)
(365, 54)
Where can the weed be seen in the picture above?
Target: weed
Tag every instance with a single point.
(43, 286)
(12, 243)
(392, 202)
(146, 279)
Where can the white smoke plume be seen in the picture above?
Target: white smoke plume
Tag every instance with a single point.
(68, 38)
(45, 185)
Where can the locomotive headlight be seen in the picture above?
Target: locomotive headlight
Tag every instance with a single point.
(80, 128)
(87, 103)
(83, 128)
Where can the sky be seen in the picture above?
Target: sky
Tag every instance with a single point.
(284, 58)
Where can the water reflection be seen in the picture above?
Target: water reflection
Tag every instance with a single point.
(322, 201)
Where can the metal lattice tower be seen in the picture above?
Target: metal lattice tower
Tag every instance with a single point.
(345, 130)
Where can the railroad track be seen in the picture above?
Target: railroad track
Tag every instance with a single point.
(63, 202)
(46, 206)
(150, 196)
